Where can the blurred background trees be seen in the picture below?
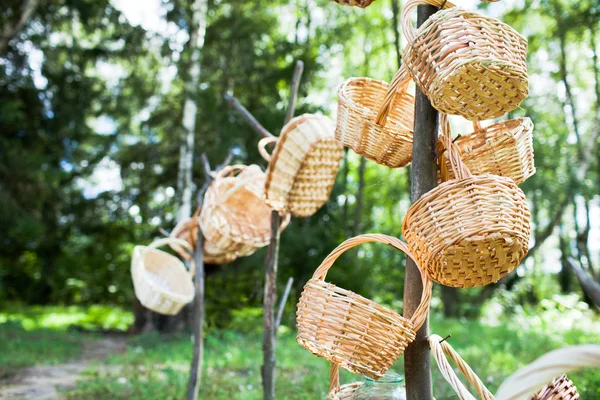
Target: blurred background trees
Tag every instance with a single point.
(92, 98)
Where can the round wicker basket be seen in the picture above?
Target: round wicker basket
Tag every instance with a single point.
(235, 218)
(303, 166)
(160, 280)
(470, 231)
(503, 149)
(376, 119)
(188, 230)
(349, 330)
(466, 63)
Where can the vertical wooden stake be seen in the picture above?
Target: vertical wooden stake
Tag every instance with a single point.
(417, 366)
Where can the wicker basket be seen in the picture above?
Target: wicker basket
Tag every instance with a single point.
(470, 231)
(235, 218)
(561, 388)
(356, 3)
(466, 63)
(160, 280)
(376, 119)
(440, 350)
(350, 330)
(337, 392)
(188, 230)
(303, 166)
(503, 149)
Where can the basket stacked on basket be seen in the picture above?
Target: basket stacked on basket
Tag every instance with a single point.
(303, 167)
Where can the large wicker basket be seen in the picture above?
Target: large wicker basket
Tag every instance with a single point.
(503, 149)
(349, 330)
(303, 166)
(470, 231)
(466, 63)
(188, 230)
(160, 280)
(376, 119)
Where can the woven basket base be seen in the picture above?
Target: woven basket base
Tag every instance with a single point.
(344, 392)
(478, 261)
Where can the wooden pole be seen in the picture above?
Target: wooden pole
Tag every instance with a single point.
(270, 296)
(417, 367)
(198, 305)
(283, 300)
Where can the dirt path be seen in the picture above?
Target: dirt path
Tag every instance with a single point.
(42, 381)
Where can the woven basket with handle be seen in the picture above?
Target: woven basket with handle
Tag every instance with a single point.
(303, 166)
(470, 231)
(503, 149)
(235, 218)
(160, 280)
(349, 330)
(466, 63)
(376, 119)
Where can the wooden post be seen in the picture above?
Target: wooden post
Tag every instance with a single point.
(417, 366)
(198, 305)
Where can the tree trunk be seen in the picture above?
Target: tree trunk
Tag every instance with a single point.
(590, 287)
(13, 27)
(417, 367)
(397, 39)
(197, 34)
(450, 300)
(565, 275)
(198, 313)
(359, 196)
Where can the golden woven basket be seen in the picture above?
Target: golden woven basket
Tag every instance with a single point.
(470, 231)
(188, 230)
(303, 166)
(337, 392)
(503, 149)
(356, 3)
(349, 330)
(466, 63)
(235, 218)
(561, 388)
(376, 119)
(160, 280)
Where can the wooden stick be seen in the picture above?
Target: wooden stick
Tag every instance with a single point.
(283, 300)
(198, 305)
(417, 367)
(270, 329)
(247, 116)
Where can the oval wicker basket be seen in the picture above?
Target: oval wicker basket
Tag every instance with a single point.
(303, 166)
(349, 330)
(356, 3)
(503, 149)
(470, 231)
(160, 280)
(375, 119)
(466, 63)
(235, 218)
(188, 230)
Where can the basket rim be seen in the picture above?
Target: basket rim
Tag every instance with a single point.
(498, 135)
(141, 250)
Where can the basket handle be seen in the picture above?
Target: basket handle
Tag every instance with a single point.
(334, 377)
(530, 379)
(230, 170)
(452, 151)
(442, 350)
(420, 313)
(179, 242)
(262, 146)
(399, 83)
(407, 26)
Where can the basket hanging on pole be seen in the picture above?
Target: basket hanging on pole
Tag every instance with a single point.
(503, 149)
(349, 330)
(470, 231)
(466, 63)
(303, 166)
(160, 280)
(188, 230)
(376, 119)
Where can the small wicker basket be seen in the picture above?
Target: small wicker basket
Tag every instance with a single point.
(466, 63)
(376, 119)
(188, 230)
(160, 280)
(303, 166)
(503, 149)
(470, 231)
(235, 218)
(349, 330)
(356, 3)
